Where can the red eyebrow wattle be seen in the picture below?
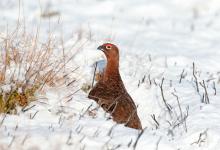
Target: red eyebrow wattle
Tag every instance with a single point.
(108, 45)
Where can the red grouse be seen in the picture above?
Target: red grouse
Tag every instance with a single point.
(110, 93)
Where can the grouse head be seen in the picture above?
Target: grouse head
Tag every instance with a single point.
(110, 50)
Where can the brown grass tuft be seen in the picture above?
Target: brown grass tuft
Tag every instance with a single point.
(27, 66)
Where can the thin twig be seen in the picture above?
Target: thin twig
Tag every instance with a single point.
(164, 100)
(138, 138)
(155, 120)
(181, 112)
(196, 80)
(206, 96)
(214, 87)
(182, 76)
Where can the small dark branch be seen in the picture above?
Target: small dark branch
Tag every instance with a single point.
(155, 120)
(79, 129)
(169, 122)
(70, 96)
(214, 88)
(203, 98)
(51, 128)
(87, 109)
(73, 93)
(16, 127)
(3, 119)
(202, 138)
(96, 133)
(195, 77)
(138, 138)
(27, 109)
(93, 79)
(60, 119)
(180, 109)
(170, 132)
(32, 117)
(143, 79)
(155, 82)
(117, 146)
(69, 138)
(71, 82)
(158, 142)
(182, 119)
(112, 128)
(130, 142)
(149, 78)
(206, 96)
(210, 79)
(25, 138)
(84, 136)
(164, 100)
(139, 82)
(182, 75)
(218, 80)
(12, 140)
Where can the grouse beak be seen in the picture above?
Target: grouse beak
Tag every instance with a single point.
(100, 48)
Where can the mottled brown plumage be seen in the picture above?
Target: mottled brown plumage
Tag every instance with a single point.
(111, 94)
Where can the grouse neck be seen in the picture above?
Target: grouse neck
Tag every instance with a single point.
(112, 69)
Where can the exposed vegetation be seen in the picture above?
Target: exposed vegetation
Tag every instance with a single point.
(27, 66)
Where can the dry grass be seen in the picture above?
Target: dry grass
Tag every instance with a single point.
(27, 66)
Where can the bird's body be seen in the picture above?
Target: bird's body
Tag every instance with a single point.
(111, 95)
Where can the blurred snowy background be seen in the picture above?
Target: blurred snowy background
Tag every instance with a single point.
(157, 39)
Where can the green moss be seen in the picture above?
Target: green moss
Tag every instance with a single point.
(9, 101)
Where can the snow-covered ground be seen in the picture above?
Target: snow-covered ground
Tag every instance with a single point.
(157, 40)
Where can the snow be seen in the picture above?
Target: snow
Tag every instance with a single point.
(157, 39)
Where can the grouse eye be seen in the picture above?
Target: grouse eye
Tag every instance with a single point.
(108, 47)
